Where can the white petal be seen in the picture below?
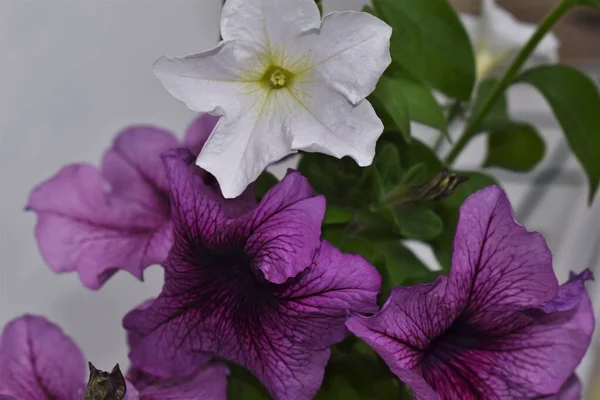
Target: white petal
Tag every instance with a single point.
(208, 81)
(243, 145)
(326, 122)
(269, 27)
(472, 26)
(507, 34)
(349, 53)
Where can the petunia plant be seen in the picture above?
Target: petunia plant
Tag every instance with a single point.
(301, 286)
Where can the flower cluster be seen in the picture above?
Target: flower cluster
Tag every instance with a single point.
(260, 277)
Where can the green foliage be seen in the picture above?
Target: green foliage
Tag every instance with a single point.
(497, 117)
(575, 100)
(265, 181)
(419, 224)
(425, 33)
(356, 375)
(390, 96)
(517, 147)
(342, 182)
(242, 385)
(422, 105)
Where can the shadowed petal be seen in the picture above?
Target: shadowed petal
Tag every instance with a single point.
(402, 331)
(39, 362)
(133, 168)
(207, 383)
(284, 230)
(571, 390)
(83, 227)
(496, 263)
(198, 132)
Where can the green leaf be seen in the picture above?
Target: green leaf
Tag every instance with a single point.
(265, 181)
(337, 215)
(342, 182)
(422, 105)
(421, 153)
(575, 100)
(390, 96)
(419, 224)
(401, 264)
(415, 175)
(358, 376)
(242, 385)
(430, 42)
(592, 3)
(497, 117)
(517, 147)
(388, 171)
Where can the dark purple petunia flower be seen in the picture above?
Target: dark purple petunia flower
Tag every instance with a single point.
(96, 222)
(254, 286)
(39, 362)
(499, 327)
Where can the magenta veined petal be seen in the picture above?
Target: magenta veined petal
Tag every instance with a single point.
(498, 326)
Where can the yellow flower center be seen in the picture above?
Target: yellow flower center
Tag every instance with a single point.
(277, 78)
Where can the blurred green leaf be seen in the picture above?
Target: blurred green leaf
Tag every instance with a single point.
(342, 182)
(418, 152)
(402, 265)
(419, 224)
(415, 175)
(390, 96)
(387, 170)
(591, 3)
(337, 214)
(575, 100)
(422, 105)
(430, 42)
(242, 385)
(358, 375)
(517, 147)
(497, 117)
(265, 181)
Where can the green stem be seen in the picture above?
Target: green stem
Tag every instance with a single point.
(455, 111)
(561, 9)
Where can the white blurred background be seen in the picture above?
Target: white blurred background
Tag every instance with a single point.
(73, 73)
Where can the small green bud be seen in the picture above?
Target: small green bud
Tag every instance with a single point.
(105, 386)
(439, 187)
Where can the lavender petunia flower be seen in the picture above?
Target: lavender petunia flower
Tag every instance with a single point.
(498, 327)
(39, 362)
(256, 287)
(96, 222)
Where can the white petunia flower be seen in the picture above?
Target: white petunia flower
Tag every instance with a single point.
(497, 36)
(283, 82)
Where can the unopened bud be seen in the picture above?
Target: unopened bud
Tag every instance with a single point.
(105, 386)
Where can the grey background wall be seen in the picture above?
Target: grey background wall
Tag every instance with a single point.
(73, 73)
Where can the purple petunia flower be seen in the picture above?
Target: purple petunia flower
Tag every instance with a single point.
(254, 286)
(96, 222)
(39, 362)
(497, 327)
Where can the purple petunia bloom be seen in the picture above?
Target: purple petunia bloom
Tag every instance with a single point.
(255, 286)
(39, 362)
(497, 327)
(96, 222)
